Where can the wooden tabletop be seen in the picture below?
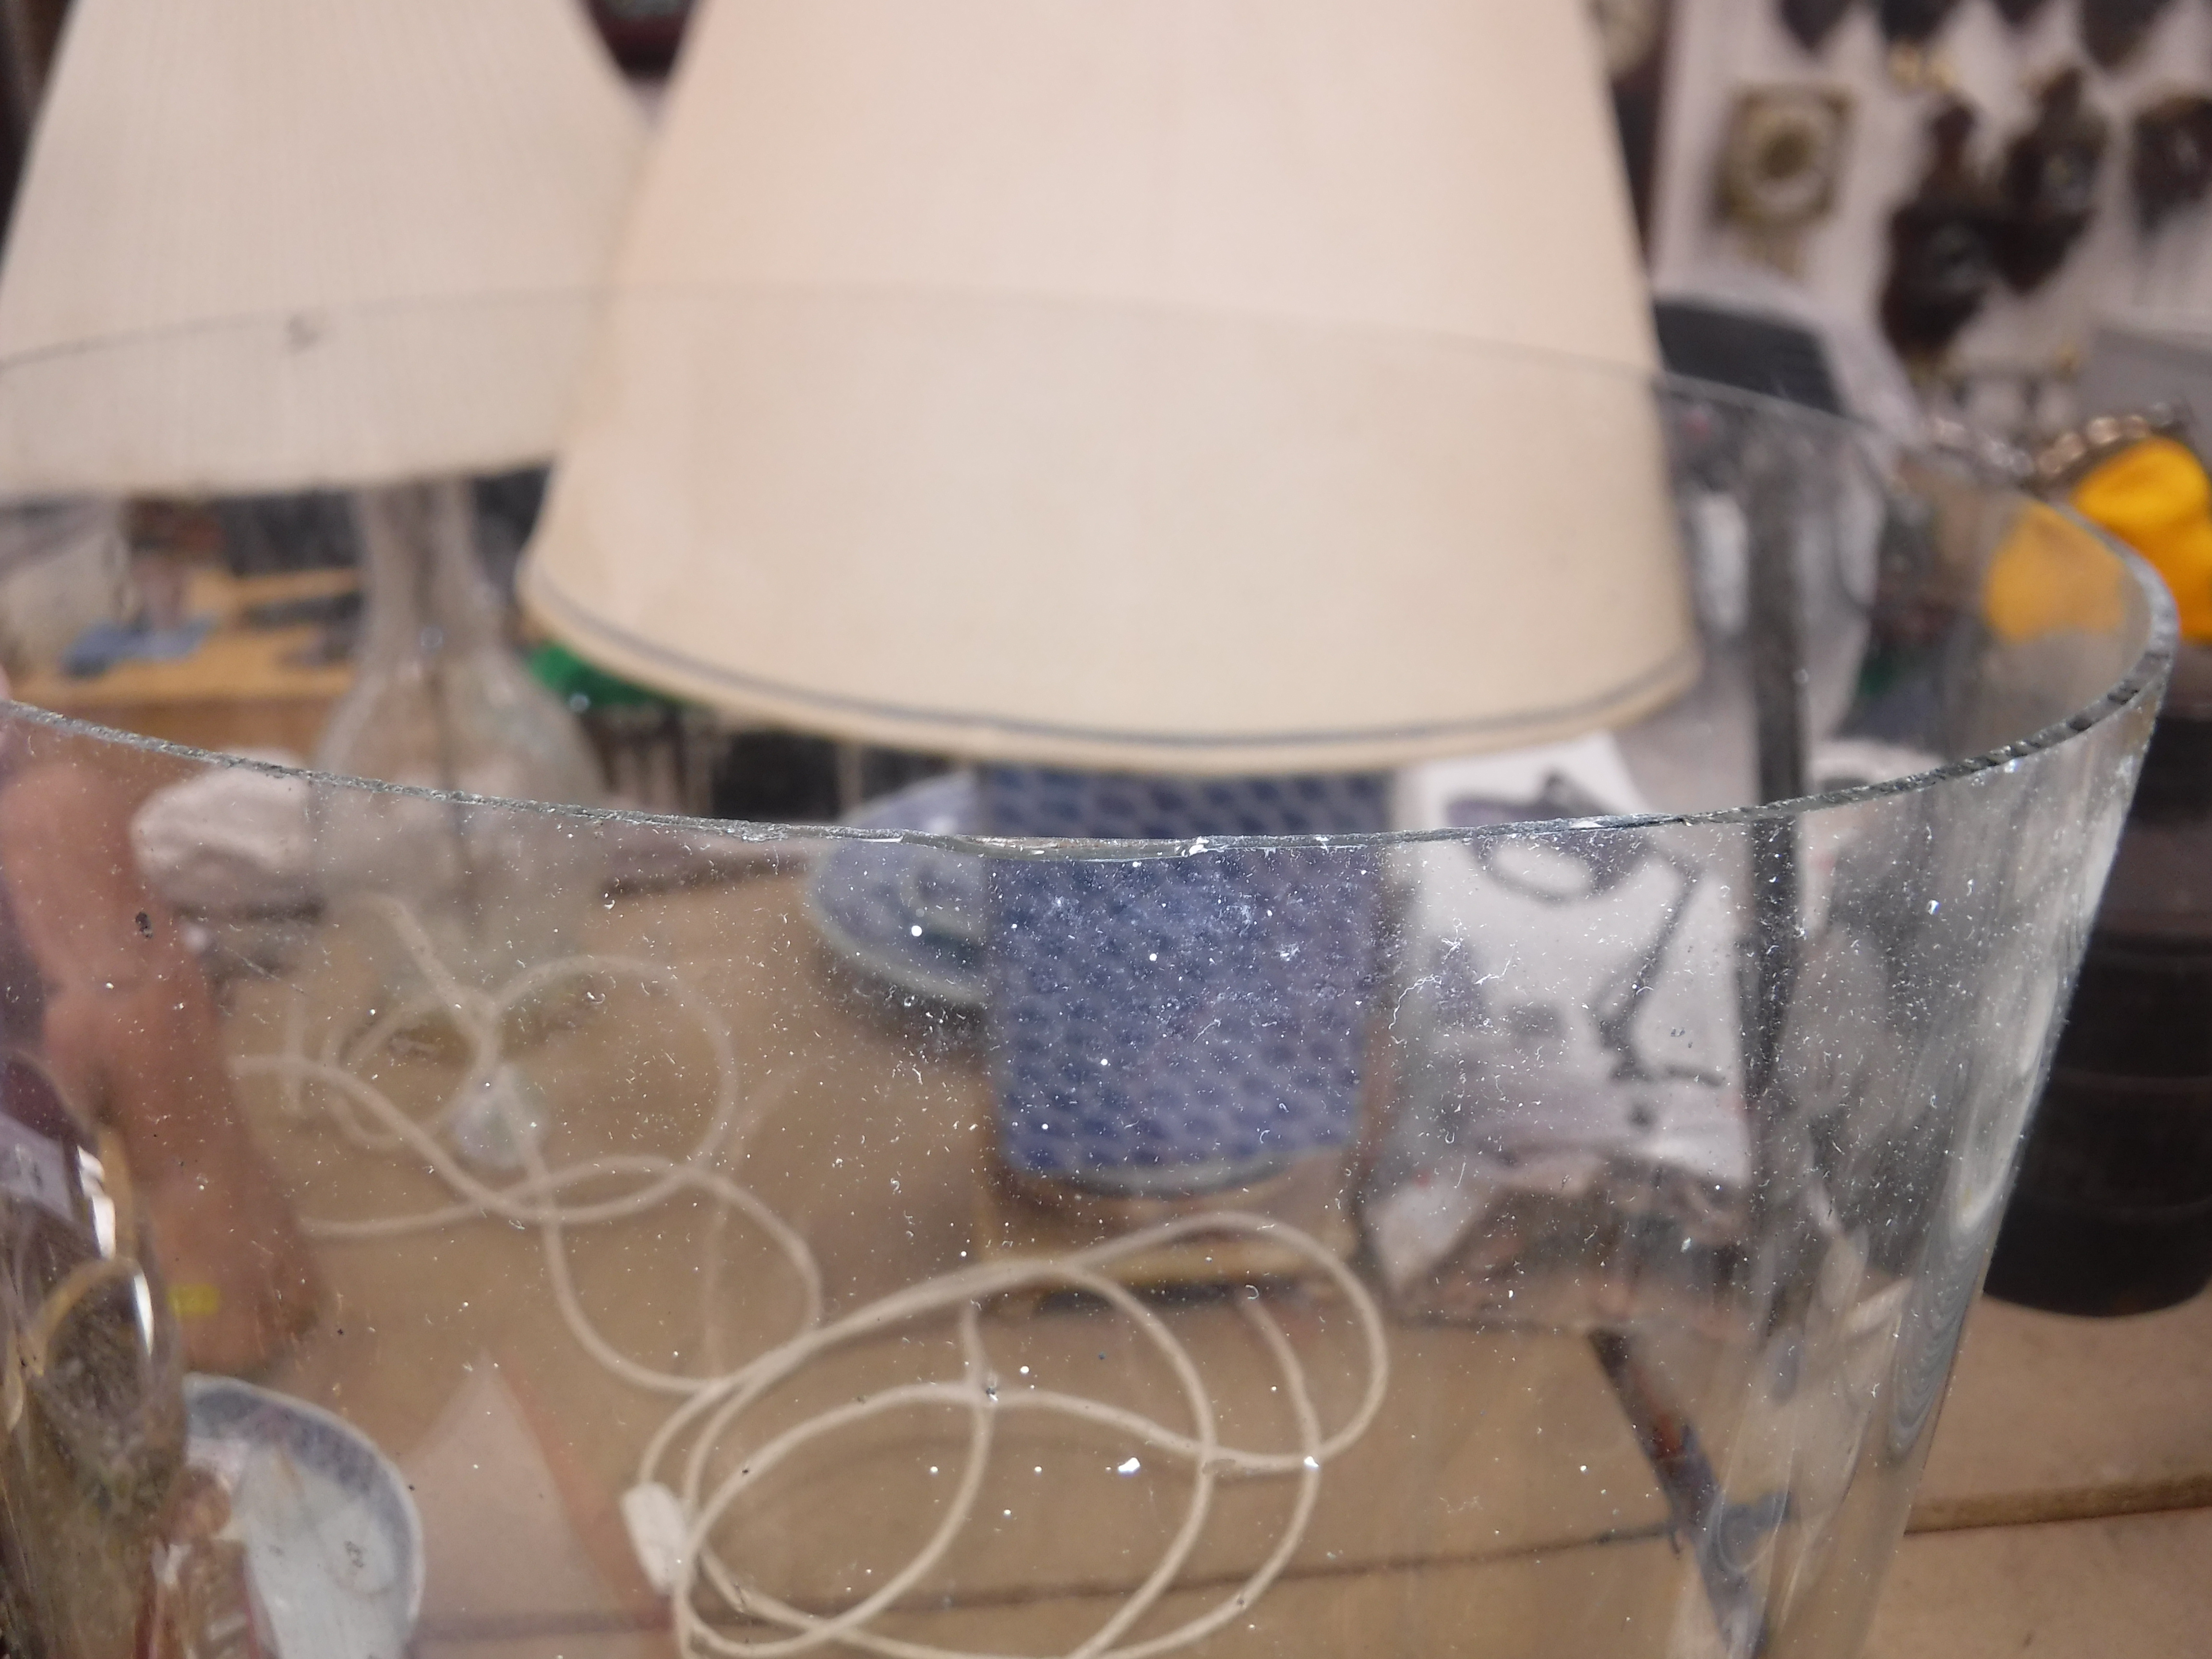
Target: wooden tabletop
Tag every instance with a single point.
(2067, 1507)
(244, 688)
(1501, 1506)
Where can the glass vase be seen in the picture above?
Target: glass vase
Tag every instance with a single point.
(1690, 1082)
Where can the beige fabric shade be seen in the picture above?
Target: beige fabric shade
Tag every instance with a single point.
(1209, 384)
(269, 244)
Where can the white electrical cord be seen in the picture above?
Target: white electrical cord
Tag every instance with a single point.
(671, 1527)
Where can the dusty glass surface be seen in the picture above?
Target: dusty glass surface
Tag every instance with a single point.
(1618, 1324)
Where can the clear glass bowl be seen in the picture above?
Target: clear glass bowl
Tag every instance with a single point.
(1690, 1076)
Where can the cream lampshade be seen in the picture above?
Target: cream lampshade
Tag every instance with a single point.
(1214, 385)
(266, 245)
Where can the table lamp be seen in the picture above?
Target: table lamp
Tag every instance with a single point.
(1166, 393)
(264, 247)
(277, 247)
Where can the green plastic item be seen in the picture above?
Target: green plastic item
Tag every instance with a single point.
(582, 686)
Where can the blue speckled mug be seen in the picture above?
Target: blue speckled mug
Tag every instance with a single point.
(1179, 1024)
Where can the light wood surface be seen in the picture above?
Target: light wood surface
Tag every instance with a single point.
(2139, 1587)
(245, 688)
(1502, 1508)
(2056, 1419)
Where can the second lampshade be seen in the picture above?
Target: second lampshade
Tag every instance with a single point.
(1160, 385)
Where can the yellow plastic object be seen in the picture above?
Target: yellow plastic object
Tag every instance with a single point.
(2154, 496)
(2040, 580)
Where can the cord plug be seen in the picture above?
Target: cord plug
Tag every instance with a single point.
(654, 1516)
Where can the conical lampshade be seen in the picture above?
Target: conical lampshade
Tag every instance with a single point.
(1197, 385)
(267, 245)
